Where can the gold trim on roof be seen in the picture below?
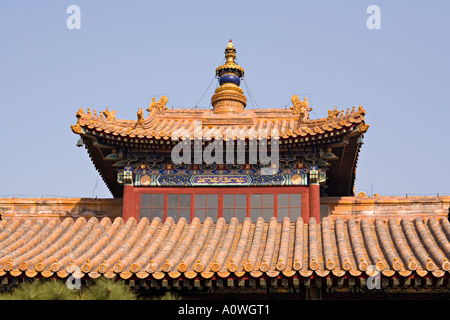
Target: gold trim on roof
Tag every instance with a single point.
(163, 126)
(159, 106)
(301, 108)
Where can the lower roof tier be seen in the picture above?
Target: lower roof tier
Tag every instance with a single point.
(339, 246)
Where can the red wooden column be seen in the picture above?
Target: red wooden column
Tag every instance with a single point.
(129, 207)
(314, 201)
(305, 205)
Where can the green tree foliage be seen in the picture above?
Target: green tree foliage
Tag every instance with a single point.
(53, 289)
(169, 296)
(107, 289)
(41, 290)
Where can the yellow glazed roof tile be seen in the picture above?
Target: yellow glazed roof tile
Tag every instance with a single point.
(155, 249)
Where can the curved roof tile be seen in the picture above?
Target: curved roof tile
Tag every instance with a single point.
(338, 245)
(164, 125)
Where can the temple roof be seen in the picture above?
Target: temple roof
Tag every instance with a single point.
(228, 112)
(175, 122)
(342, 131)
(339, 246)
(161, 128)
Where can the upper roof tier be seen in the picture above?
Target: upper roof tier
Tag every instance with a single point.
(163, 123)
(159, 128)
(227, 113)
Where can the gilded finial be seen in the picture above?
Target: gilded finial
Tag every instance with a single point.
(110, 115)
(160, 106)
(361, 110)
(301, 108)
(363, 127)
(230, 66)
(140, 116)
(229, 96)
(79, 112)
(332, 114)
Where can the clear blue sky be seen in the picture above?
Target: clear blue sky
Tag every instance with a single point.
(128, 51)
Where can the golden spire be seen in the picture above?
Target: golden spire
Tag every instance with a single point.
(230, 66)
(229, 97)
